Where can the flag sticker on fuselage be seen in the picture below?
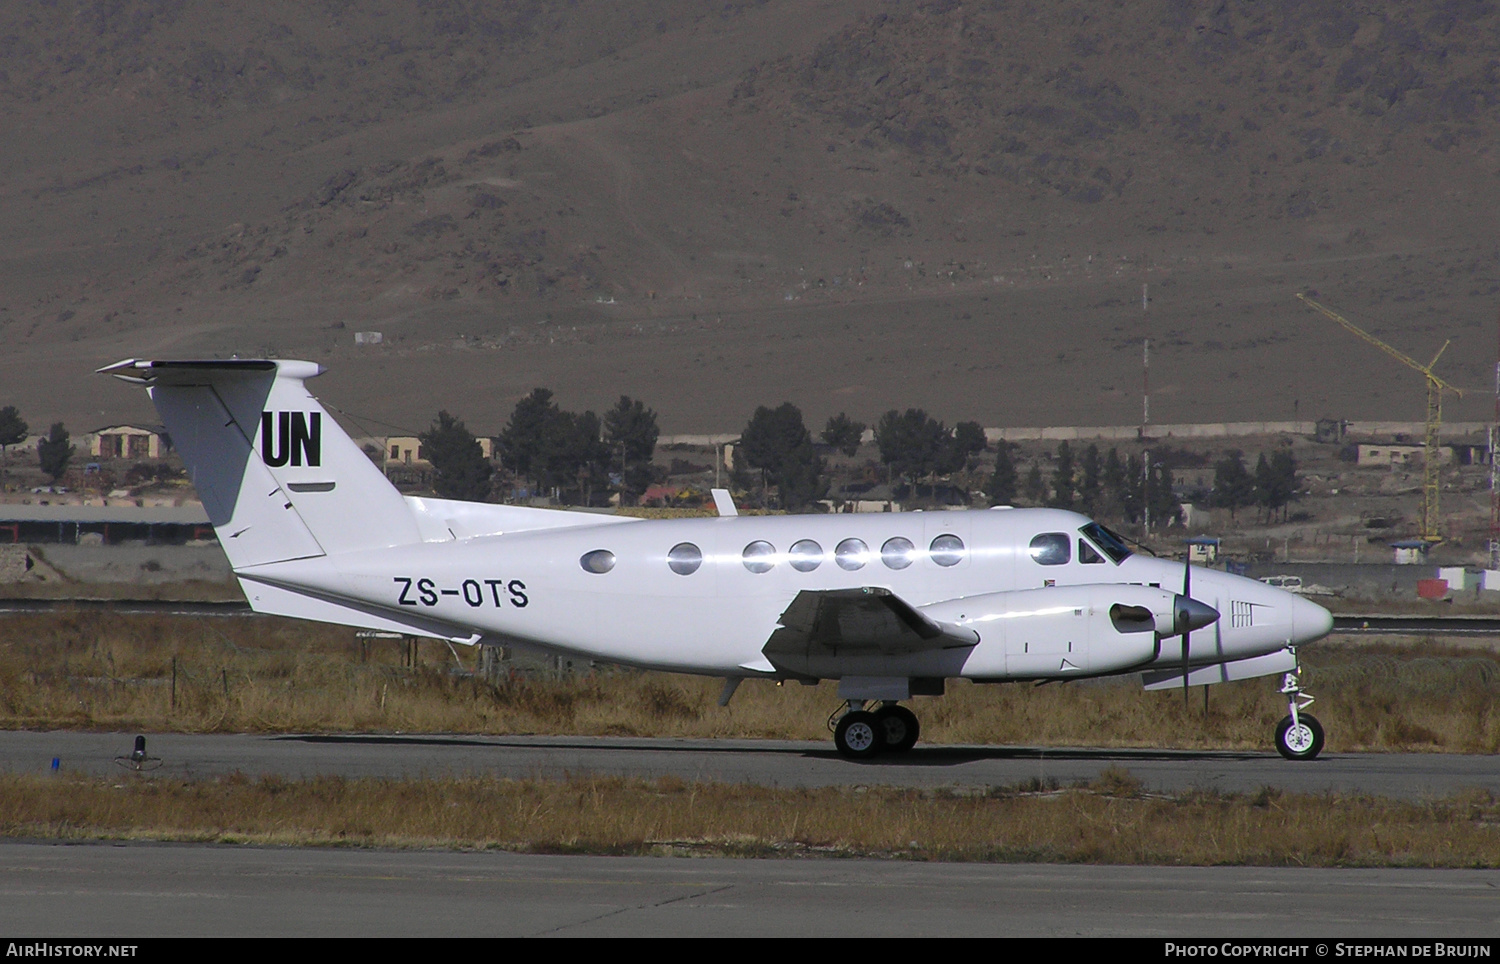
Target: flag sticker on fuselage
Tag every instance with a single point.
(291, 437)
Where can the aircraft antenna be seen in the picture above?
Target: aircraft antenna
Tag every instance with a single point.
(1431, 456)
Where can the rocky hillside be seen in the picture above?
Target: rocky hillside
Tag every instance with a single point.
(852, 205)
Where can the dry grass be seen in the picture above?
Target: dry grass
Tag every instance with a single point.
(1109, 822)
(193, 590)
(105, 671)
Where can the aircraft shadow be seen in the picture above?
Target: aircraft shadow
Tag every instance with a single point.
(920, 756)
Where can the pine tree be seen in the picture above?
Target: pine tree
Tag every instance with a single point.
(631, 432)
(911, 443)
(778, 443)
(55, 452)
(1234, 486)
(1090, 494)
(1115, 488)
(843, 433)
(12, 432)
(966, 442)
(631, 425)
(462, 472)
(1284, 482)
(1134, 489)
(1062, 478)
(1265, 487)
(1001, 488)
(525, 435)
(1165, 509)
(1036, 489)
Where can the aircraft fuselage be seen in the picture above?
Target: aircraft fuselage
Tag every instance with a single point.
(534, 587)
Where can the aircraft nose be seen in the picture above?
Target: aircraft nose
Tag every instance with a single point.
(1309, 620)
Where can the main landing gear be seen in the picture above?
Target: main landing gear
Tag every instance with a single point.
(861, 734)
(1299, 736)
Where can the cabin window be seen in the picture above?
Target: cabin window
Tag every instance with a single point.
(851, 554)
(947, 550)
(1087, 554)
(599, 561)
(684, 558)
(1112, 544)
(1051, 549)
(898, 553)
(759, 556)
(806, 555)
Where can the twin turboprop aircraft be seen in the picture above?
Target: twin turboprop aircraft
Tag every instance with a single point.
(890, 605)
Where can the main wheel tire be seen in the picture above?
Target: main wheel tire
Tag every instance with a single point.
(858, 735)
(1301, 742)
(899, 726)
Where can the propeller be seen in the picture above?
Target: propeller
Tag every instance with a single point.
(1189, 614)
(1187, 634)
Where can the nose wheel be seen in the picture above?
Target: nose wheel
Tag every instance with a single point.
(1299, 735)
(860, 734)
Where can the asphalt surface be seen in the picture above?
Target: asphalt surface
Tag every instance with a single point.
(1368, 624)
(145, 890)
(761, 762)
(149, 890)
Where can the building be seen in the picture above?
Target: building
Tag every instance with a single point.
(103, 525)
(127, 442)
(1386, 454)
(398, 450)
(1203, 550)
(1411, 552)
(407, 449)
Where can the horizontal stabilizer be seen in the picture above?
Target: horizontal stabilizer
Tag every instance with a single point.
(276, 601)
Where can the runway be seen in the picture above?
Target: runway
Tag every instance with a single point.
(181, 890)
(109, 890)
(762, 762)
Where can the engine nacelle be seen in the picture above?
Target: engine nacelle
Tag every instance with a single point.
(1062, 631)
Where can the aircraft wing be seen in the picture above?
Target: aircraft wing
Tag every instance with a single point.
(858, 622)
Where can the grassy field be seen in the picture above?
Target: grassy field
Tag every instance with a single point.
(98, 670)
(1110, 821)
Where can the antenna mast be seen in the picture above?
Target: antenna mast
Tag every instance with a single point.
(1145, 414)
(1495, 468)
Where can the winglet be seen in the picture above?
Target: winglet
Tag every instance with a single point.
(724, 502)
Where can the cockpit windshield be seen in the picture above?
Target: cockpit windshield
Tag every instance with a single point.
(1111, 544)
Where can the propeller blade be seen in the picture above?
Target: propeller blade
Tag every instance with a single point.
(1185, 670)
(1187, 634)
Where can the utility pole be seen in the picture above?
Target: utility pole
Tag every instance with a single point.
(1145, 412)
(1145, 366)
(1494, 469)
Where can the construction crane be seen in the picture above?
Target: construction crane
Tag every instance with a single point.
(1431, 458)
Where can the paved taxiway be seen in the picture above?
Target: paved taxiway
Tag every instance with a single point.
(763, 762)
(144, 889)
(169, 890)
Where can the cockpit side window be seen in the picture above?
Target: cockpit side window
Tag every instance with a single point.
(1087, 555)
(1051, 549)
(1112, 545)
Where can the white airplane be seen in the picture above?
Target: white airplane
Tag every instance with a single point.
(890, 605)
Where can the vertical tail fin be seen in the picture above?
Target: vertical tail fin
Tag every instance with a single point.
(278, 477)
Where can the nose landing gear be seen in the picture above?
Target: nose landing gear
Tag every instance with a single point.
(1299, 735)
(861, 735)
